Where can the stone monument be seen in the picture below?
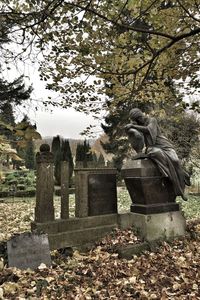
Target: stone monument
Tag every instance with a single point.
(28, 250)
(154, 178)
(96, 191)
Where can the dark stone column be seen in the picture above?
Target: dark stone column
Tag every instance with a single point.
(64, 190)
(44, 210)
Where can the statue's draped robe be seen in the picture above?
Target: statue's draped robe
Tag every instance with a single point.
(161, 151)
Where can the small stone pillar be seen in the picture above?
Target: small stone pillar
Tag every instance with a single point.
(44, 210)
(64, 190)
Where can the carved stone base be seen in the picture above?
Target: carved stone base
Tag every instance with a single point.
(165, 226)
(154, 208)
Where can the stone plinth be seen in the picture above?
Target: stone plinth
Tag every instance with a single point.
(159, 226)
(150, 192)
(96, 192)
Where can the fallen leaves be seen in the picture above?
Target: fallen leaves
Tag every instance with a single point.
(171, 272)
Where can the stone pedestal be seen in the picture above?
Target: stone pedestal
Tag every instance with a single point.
(155, 214)
(96, 192)
(44, 210)
(150, 192)
(159, 226)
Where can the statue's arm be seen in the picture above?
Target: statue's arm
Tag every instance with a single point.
(143, 129)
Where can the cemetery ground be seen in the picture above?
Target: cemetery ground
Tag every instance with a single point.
(170, 271)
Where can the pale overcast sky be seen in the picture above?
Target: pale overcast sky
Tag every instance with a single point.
(65, 122)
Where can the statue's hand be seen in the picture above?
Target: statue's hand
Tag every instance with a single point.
(128, 126)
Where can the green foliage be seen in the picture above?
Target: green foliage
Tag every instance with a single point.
(30, 156)
(66, 155)
(183, 131)
(57, 165)
(21, 187)
(101, 161)
(84, 154)
(56, 144)
(190, 208)
(132, 47)
(13, 93)
(56, 150)
(79, 153)
(19, 183)
(177, 124)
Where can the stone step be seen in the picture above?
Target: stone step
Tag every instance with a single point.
(79, 237)
(61, 225)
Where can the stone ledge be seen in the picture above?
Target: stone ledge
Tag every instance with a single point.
(63, 225)
(78, 237)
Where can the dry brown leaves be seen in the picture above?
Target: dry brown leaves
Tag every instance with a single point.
(172, 272)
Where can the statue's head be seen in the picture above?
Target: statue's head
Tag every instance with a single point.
(137, 115)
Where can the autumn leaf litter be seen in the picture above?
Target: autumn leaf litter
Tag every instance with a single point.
(172, 272)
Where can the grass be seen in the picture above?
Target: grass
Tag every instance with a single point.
(16, 214)
(190, 208)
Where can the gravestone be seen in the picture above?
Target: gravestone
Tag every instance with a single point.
(28, 250)
(102, 194)
(96, 192)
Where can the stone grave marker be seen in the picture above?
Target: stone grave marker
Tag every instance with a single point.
(102, 194)
(96, 192)
(28, 250)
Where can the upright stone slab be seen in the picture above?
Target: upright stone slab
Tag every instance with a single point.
(44, 210)
(96, 192)
(28, 250)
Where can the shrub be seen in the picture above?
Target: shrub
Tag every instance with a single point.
(21, 187)
(21, 181)
(12, 182)
(4, 194)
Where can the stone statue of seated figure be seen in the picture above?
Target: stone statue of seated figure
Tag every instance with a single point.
(136, 138)
(144, 131)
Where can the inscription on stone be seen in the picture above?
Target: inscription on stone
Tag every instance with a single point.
(28, 250)
(102, 194)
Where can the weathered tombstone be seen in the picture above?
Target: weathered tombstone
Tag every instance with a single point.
(64, 190)
(102, 194)
(96, 192)
(28, 250)
(44, 210)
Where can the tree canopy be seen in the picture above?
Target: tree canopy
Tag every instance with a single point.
(129, 48)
